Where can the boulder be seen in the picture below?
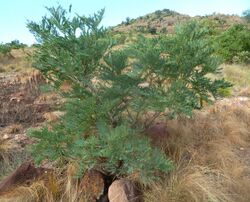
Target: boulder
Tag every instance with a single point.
(123, 190)
(24, 174)
(93, 185)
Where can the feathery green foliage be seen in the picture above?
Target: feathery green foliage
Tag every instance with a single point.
(175, 68)
(112, 89)
(78, 60)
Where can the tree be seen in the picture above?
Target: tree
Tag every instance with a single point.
(16, 44)
(246, 15)
(232, 42)
(128, 21)
(111, 91)
(5, 49)
(152, 30)
(95, 125)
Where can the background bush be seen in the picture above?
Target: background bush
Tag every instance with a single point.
(233, 45)
(7, 47)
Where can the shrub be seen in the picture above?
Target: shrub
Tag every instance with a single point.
(212, 25)
(15, 44)
(158, 13)
(107, 97)
(152, 30)
(242, 57)
(232, 42)
(246, 15)
(128, 21)
(5, 49)
(65, 58)
(164, 30)
(141, 29)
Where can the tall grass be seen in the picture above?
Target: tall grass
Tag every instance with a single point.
(239, 75)
(206, 152)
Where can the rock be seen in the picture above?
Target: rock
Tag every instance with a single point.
(158, 134)
(143, 85)
(93, 185)
(5, 137)
(24, 174)
(123, 191)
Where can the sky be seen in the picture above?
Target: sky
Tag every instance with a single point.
(14, 14)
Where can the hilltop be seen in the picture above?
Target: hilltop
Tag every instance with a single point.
(164, 20)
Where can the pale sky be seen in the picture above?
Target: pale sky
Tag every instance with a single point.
(15, 13)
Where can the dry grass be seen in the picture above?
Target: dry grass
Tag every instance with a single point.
(11, 155)
(190, 184)
(211, 154)
(17, 61)
(17, 99)
(61, 186)
(38, 192)
(239, 75)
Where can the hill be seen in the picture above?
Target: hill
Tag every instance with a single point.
(164, 20)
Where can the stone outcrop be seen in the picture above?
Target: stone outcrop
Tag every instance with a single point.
(123, 190)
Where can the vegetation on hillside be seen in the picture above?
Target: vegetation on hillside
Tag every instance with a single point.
(246, 15)
(7, 47)
(233, 45)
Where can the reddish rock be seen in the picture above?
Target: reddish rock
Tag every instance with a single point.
(123, 191)
(93, 185)
(24, 174)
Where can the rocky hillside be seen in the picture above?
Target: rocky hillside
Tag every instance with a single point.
(164, 20)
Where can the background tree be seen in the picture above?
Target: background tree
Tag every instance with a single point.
(233, 42)
(246, 15)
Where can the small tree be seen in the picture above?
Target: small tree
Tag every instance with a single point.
(128, 21)
(246, 15)
(152, 30)
(95, 132)
(16, 44)
(111, 91)
(5, 49)
(232, 42)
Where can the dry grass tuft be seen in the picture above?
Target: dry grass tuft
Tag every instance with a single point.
(37, 191)
(211, 152)
(61, 186)
(17, 61)
(17, 99)
(11, 155)
(237, 74)
(191, 184)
